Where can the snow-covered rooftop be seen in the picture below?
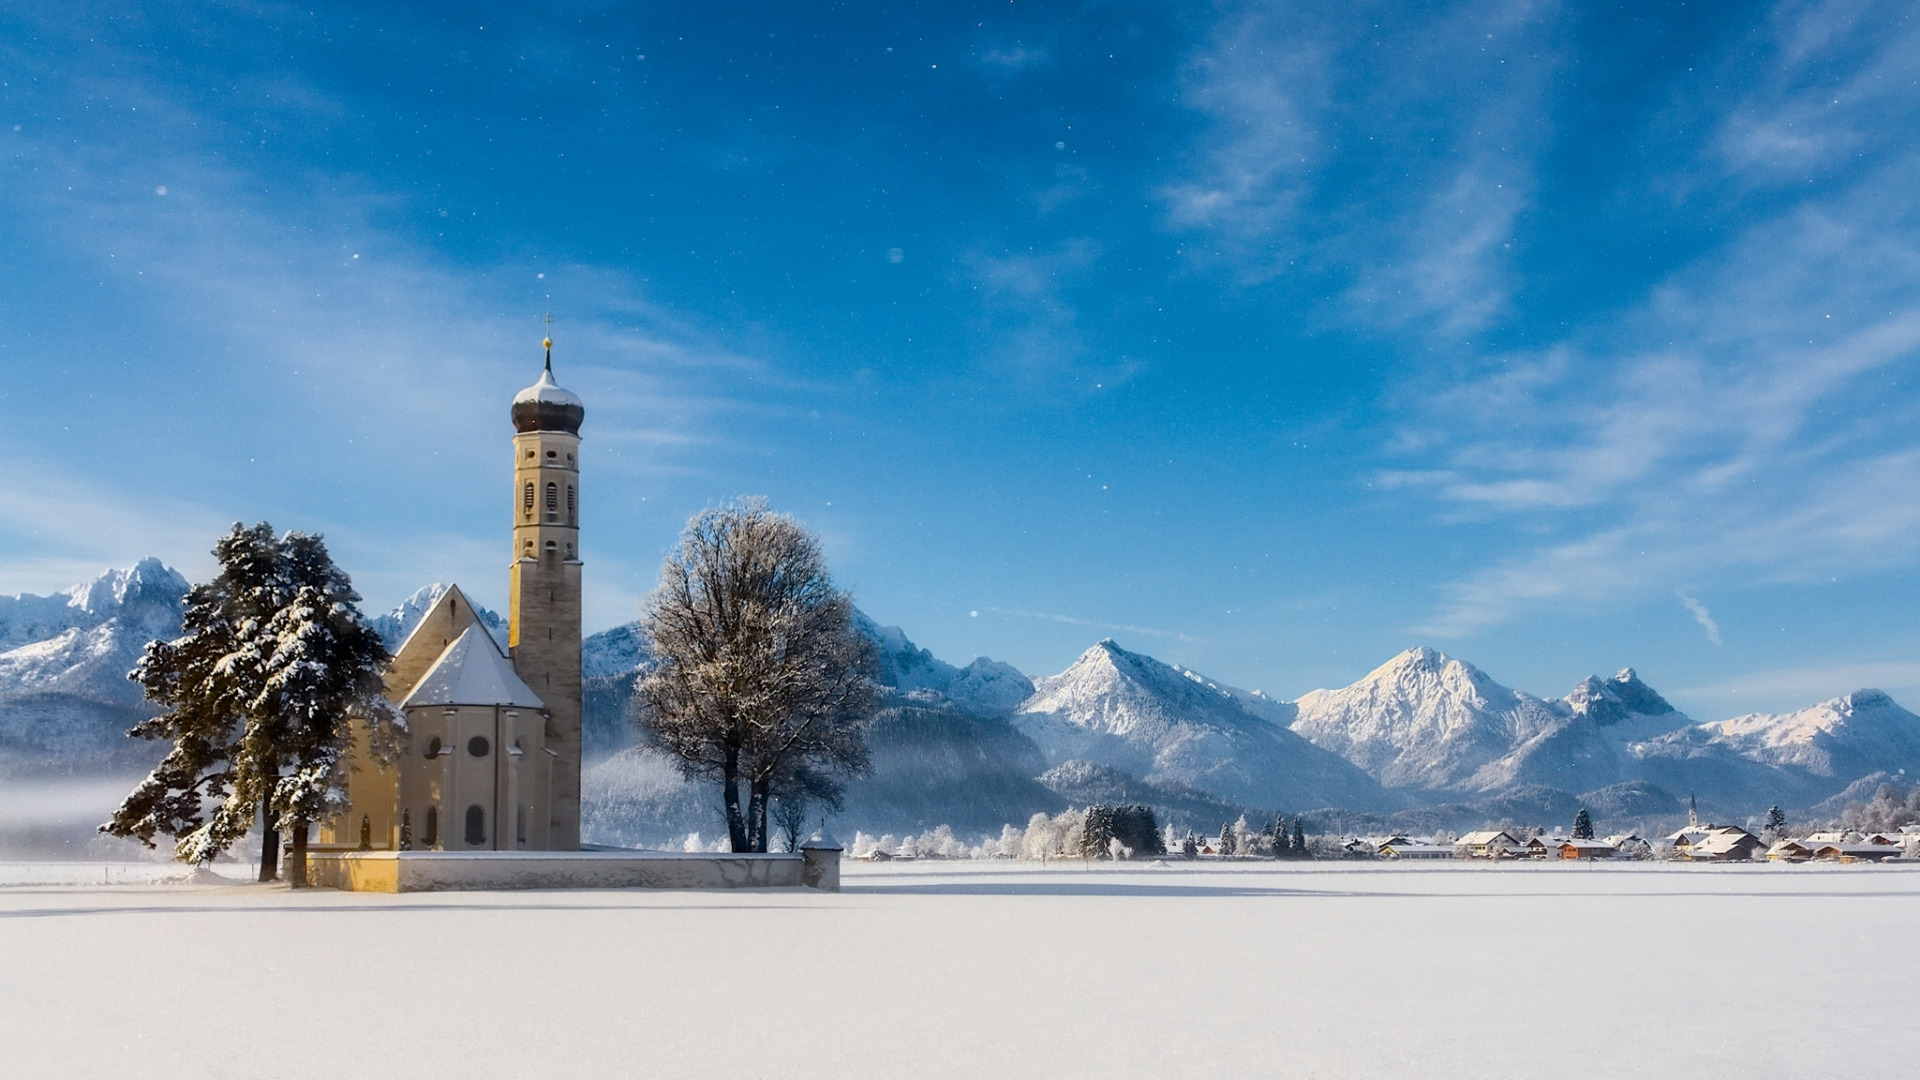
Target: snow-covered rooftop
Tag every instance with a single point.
(472, 672)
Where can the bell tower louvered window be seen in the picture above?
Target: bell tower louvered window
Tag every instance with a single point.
(553, 502)
(573, 511)
(526, 500)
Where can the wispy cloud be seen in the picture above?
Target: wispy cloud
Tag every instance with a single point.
(327, 346)
(1702, 616)
(1733, 427)
(1070, 620)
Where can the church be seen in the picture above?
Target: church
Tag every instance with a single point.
(491, 757)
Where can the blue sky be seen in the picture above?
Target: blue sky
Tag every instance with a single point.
(1269, 339)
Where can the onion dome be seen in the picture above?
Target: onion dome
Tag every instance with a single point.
(546, 405)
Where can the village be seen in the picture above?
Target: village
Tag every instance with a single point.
(1697, 842)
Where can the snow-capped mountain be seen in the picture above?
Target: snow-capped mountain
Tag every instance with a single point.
(1429, 723)
(986, 686)
(64, 693)
(1592, 742)
(1164, 724)
(1791, 758)
(1423, 721)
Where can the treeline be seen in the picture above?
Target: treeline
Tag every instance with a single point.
(1099, 831)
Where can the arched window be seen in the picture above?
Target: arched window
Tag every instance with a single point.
(476, 825)
(553, 502)
(520, 823)
(433, 747)
(527, 499)
(572, 511)
(431, 835)
(553, 551)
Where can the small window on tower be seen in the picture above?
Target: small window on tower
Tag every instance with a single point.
(476, 825)
(553, 453)
(553, 502)
(571, 510)
(526, 499)
(431, 836)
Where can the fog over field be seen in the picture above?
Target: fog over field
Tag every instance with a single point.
(967, 970)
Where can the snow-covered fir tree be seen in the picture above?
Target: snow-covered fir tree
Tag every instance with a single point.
(272, 655)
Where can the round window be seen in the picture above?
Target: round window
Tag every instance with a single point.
(433, 747)
(478, 746)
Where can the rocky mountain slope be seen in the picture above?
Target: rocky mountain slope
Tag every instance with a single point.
(1164, 724)
(65, 699)
(1422, 721)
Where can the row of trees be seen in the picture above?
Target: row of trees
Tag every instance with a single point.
(1238, 839)
(273, 659)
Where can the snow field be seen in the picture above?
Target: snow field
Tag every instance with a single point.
(984, 969)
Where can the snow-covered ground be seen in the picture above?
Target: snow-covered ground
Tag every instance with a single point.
(982, 969)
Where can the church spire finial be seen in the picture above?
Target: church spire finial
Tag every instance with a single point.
(547, 342)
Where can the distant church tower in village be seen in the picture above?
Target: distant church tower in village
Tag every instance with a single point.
(491, 760)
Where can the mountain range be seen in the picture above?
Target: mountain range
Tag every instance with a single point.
(1424, 738)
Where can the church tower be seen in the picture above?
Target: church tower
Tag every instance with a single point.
(543, 625)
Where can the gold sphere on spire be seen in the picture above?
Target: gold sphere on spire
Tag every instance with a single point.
(548, 343)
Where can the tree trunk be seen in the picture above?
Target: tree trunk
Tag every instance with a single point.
(269, 843)
(297, 864)
(757, 817)
(730, 794)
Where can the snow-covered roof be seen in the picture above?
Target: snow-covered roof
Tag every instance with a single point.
(547, 391)
(472, 672)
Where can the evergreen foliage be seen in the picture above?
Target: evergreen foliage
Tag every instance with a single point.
(1190, 847)
(1281, 848)
(1227, 845)
(1135, 827)
(1300, 837)
(760, 679)
(1776, 821)
(272, 659)
(1582, 825)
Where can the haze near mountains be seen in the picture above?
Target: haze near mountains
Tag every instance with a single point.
(983, 745)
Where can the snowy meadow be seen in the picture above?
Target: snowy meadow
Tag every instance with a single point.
(981, 969)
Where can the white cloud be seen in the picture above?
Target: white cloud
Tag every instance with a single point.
(1702, 616)
(1748, 422)
(329, 347)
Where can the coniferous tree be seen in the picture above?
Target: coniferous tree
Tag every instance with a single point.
(1300, 838)
(1280, 846)
(271, 658)
(326, 665)
(1227, 845)
(1776, 821)
(1582, 825)
(1190, 847)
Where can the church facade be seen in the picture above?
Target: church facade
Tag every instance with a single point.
(490, 760)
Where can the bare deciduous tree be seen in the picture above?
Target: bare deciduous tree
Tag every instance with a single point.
(760, 680)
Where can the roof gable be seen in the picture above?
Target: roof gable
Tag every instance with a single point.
(448, 618)
(472, 672)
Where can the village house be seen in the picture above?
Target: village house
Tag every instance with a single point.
(1723, 843)
(1488, 844)
(1853, 853)
(1586, 849)
(1416, 850)
(1789, 850)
